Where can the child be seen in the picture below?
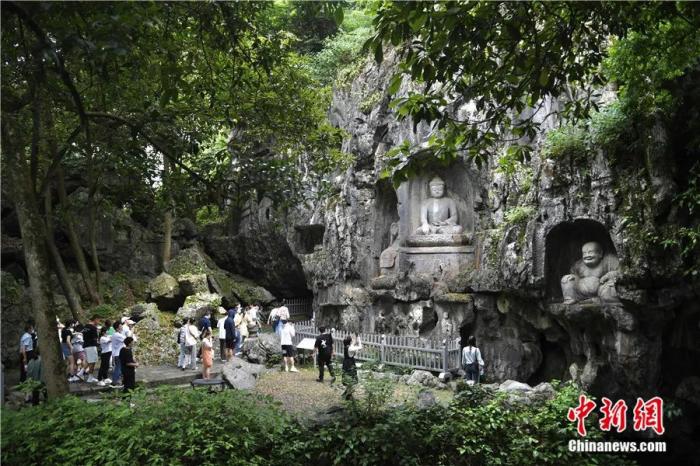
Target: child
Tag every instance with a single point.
(129, 365)
(207, 353)
(350, 349)
(79, 351)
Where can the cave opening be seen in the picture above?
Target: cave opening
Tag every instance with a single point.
(554, 363)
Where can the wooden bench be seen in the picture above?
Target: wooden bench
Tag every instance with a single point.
(211, 384)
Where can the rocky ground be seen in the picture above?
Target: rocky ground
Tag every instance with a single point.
(301, 395)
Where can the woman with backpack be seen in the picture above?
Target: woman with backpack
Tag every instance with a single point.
(472, 362)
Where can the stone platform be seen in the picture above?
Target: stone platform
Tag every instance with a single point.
(437, 240)
(434, 260)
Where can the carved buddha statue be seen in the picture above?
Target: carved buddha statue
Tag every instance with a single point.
(594, 275)
(438, 214)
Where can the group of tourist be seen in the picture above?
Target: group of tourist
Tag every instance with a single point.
(196, 339)
(83, 345)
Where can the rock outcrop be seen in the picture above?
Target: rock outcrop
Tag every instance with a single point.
(524, 231)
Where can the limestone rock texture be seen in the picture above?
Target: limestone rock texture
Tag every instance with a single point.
(524, 231)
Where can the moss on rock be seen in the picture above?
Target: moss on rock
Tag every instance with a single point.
(190, 261)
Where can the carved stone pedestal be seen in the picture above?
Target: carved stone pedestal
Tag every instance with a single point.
(436, 260)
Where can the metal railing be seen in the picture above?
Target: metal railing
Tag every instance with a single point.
(299, 307)
(432, 354)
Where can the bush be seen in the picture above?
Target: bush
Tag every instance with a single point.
(567, 141)
(519, 215)
(164, 426)
(175, 426)
(104, 311)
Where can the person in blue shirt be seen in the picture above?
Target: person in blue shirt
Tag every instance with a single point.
(230, 328)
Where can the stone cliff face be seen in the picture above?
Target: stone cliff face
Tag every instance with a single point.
(525, 230)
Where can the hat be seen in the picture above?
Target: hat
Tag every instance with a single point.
(127, 320)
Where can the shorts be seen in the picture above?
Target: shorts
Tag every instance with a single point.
(288, 351)
(230, 344)
(66, 349)
(79, 355)
(91, 353)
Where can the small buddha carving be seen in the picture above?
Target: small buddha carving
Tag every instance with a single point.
(387, 259)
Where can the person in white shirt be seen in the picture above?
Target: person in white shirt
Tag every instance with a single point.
(191, 336)
(274, 319)
(351, 346)
(472, 362)
(288, 345)
(222, 333)
(105, 357)
(117, 345)
(26, 351)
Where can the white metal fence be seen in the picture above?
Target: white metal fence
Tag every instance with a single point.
(432, 354)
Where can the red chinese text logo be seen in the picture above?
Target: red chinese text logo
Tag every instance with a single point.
(580, 413)
(647, 415)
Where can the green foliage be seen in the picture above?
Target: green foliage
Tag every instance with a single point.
(175, 426)
(566, 141)
(104, 311)
(209, 214)
(29, 385)
(527, 51)
(341, 53)
(273, 360)
(371, 101)
(612, 129)
(519, 215)
(377, 391)
(646, 61)
(165, 426)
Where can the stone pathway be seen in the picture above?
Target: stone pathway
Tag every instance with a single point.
(151, 376)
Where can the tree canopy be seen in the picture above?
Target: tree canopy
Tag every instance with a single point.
(509, 58)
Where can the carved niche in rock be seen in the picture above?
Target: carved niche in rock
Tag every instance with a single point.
(581, 262)
(387, 259)
(435, 223)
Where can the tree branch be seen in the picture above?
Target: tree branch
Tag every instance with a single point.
(149, 138)
(60, 66)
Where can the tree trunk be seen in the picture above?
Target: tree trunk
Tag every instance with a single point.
(92, 212)
(36, 259)
(168, 216)
(73, 239)
(59, 267)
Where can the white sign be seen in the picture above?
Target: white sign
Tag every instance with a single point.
(307, 344)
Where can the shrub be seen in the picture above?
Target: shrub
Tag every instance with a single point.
(519, 215)
(174, 426)
(612, 129)
(566, 141)
(104, 311)
(164, 426)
